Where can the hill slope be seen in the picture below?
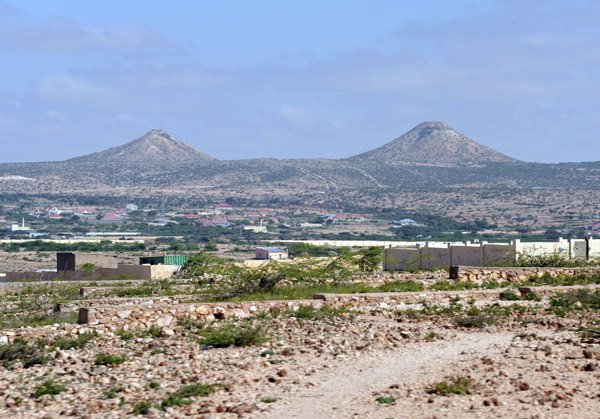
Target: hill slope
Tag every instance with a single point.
(433, 143)
(156, 146)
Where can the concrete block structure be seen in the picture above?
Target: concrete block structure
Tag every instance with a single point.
(271, 253)
(444, 255)
(106, 267)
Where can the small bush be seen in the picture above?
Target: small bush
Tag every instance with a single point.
(385, 399)
(112, 393)
(451, 385)
(63, 342)
(477, 320)
(311, 313)
(453, 286)
(532, 296)
(154, 331)
(20, 350)
(181, 396)
(590, 334)
(269, 399)
(141, 408)
(232, 334)
(401, 286)
(110, 359)
(431, 335)
(50, 387)
(125, 334)
(509, 295)
(581, 299)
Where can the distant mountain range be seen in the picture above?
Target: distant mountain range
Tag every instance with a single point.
(431, 156)
(429, 143)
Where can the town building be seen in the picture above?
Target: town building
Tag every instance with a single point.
(271, 253)
(17, 227)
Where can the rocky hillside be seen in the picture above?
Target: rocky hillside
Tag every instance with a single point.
(433, 143)
(156, 146)
(432, 156)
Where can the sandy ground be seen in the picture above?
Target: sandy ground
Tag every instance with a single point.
(348, 391)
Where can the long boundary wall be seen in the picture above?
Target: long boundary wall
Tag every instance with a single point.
(443, 255)
(131, 271)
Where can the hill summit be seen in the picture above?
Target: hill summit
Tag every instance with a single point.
(156, 146)
(433, 143)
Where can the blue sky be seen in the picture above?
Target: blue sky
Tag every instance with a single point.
(243, 79)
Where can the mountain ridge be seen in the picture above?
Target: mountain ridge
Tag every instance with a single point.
(429, 143)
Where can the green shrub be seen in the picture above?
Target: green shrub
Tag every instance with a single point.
(401, 286)
(269, 399)
(141, 408)
(532, 296)
(181, 396)
(385, 399)
(154, 331)
(21, 350)
(509, 295)
(110, 359)
(125, 334)
(50, 387)
(232, 334)
(451, 385)
(453, 286)
(581, 299)
(480, 320)
(590, 334)
(311, 313)
(555, 259)
(431, 335)
(112, 393)
(67, 342)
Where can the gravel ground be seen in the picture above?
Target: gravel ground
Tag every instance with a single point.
(332, 367)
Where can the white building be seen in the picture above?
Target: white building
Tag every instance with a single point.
(17, 227)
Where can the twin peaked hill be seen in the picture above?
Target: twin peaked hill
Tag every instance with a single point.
(428, 143)
(432, 156)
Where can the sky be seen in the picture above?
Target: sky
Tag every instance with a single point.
(298, 79)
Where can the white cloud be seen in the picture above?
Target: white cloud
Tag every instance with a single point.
(298, 116)
(76, 91)
(59, 35)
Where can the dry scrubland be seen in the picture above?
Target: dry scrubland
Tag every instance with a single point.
(425, 353)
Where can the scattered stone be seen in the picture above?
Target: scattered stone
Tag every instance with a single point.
(592, 353)
(164, 321)
(523, 386)
(124, 314)
(166, 332)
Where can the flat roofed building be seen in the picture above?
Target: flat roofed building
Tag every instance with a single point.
(267, 253)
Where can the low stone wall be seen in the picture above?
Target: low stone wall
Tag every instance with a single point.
(94, 291)
(479, 275)
(131, 271)
(146, 313)
(165, 312)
